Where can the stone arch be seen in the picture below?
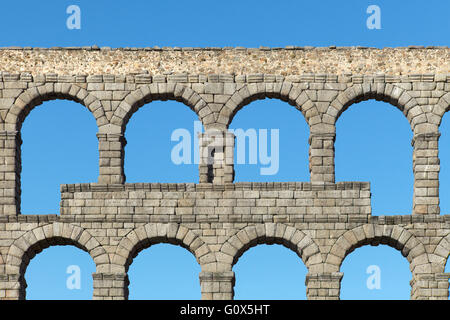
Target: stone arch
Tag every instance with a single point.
(386, 92)
(374, 234)
(35, 96)
(34, 241)
(153, 233)
(441, 253)
(271, 233)
(284, 91)
(442, 106)
(161, 91)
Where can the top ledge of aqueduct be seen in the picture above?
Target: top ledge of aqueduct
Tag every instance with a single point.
(291, 60)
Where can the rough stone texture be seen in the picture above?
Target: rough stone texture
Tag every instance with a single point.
(218, 220)
(290, 60)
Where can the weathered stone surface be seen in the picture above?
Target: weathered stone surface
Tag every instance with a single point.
(257, 64)
(218, 220)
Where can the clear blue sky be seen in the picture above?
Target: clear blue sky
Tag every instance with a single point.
(56, 152)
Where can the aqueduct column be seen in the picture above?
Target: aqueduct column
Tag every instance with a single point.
(12, 287)
(10, 143)
(323, 286)
(110, 286)
(217, 285)
(216, 156)
(321, 157)
(321, 153)
(428, 286)
(111, 158)
(426, 173)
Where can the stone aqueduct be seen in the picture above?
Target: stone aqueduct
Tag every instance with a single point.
(218, 220)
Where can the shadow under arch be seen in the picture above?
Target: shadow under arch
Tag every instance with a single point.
(271, 233)
(162, 92)
(36, 240)
(35, 96)
(390, 93)
(372, 234)
(284, 91)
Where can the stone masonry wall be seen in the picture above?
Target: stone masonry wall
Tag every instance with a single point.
(291, 60)
(217, 220)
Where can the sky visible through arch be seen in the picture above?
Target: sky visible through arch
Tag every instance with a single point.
(373, 140)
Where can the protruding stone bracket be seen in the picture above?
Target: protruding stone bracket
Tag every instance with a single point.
(110, 286)
(429, 136)
(323, 286)
(430, 285)
(12, 287)
(217, 285)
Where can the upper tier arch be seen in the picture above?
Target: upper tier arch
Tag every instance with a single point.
(391, 93)
(441, 253)
(284, 91)
(35, 96)
(442, 106)
(161, 91)
(272, 233)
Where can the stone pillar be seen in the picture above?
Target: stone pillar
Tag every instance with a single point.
(430, 286)
(111, 158)
(323, 286)
(110, 286)
(10, 164)
(321, 157)
(206, 159)
(216, 156)
(217, 285)
(12, 287)
(426, 173)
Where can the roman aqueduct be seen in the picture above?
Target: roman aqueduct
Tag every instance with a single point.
(217, 220)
